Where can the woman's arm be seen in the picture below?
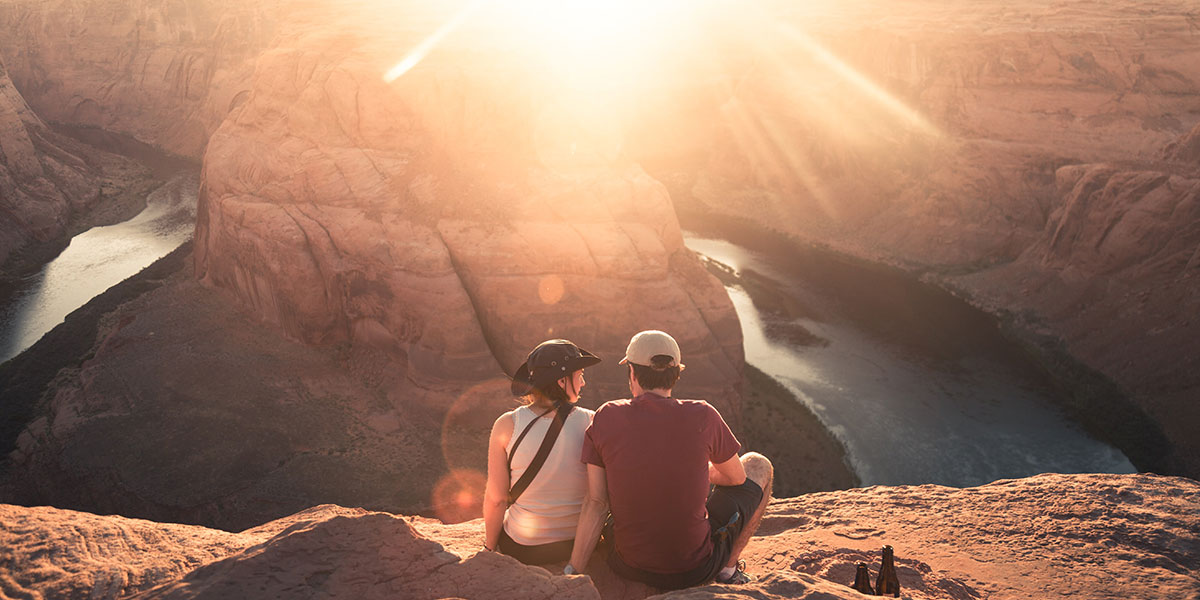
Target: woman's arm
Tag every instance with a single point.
(495, 495)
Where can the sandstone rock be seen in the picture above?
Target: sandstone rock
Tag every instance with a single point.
(1186, 148)
(364, 555)
(1042, 536)
(1115, 273)
(1100, 536)
(167, 74)
(343, 208)
(846, 122)
(189, 411)
(957, 149)
(41, 184)
(52, 553)
(404, 240)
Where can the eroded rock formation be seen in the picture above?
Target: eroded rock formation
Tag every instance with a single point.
(188, 410)
(1116, 273)
(419, 237)
(1103, 536)
(165, 73)
(46, 180)
(425, 233)
(1037, 160)
(346, 209)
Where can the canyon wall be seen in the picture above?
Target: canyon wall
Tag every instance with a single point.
(34, 207)
(420, 235)
(447, 218)
(48, 182)
(370, 259)
(1038, 160)
(417, 217)
(1099, 536)
(166, 73)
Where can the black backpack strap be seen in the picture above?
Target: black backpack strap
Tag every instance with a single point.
(513, 452)
(539, 459)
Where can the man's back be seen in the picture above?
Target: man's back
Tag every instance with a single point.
(655, 452)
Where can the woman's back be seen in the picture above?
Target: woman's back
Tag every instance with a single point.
(548, 510)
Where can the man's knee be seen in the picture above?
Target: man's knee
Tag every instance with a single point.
(758, 468)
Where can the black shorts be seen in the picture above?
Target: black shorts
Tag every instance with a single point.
(539, 554)
(723, 503)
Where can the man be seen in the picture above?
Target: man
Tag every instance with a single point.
(650, 460)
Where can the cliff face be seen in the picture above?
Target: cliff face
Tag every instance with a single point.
(165, 73)
(49, 182)
(40, 183)
(1038, 160)
(447, 218)
(1098, 536)
(1116, 273)
(412, 240)
(189, 410)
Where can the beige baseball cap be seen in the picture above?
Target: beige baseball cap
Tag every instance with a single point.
(647, 344)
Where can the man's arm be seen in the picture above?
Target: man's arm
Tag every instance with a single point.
(730, 472)
(591, 520)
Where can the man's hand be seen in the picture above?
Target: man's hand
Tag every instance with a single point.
(730, 472)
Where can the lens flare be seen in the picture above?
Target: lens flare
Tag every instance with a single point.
(417, 54)
(458, 496)
(551, 289)
(468, 423)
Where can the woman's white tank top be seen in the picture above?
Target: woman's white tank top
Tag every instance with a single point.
(549, 509)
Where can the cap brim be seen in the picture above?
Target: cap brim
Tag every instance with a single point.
(625, 361)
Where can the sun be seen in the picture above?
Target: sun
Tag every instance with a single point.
(603, 25)
(601, 38)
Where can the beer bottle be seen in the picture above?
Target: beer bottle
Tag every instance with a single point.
(862, 580)
(887, 584)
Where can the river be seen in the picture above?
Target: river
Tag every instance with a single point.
(96, 260)
(919, 386)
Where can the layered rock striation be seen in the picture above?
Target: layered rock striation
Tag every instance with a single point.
(164, 73)
(410, 242)
(448, 218)
(47, 180)
(1116, 273)
(1038, 160)
(186, 409)
(1101, 536)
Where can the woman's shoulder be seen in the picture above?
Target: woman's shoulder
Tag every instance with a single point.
(584, 413)
(506, 421)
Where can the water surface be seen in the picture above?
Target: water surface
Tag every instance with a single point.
(919, 386)
(96, 260)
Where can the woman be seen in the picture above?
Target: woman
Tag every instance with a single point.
(535, 521)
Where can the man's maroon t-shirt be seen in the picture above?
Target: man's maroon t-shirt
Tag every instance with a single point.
(655, 452)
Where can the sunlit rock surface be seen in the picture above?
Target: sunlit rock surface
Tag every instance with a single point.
(451, 218)
(1038, 159)
(416, 238)
(46, 179)
(1099, 536)
(165, 73)
(419, 235)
